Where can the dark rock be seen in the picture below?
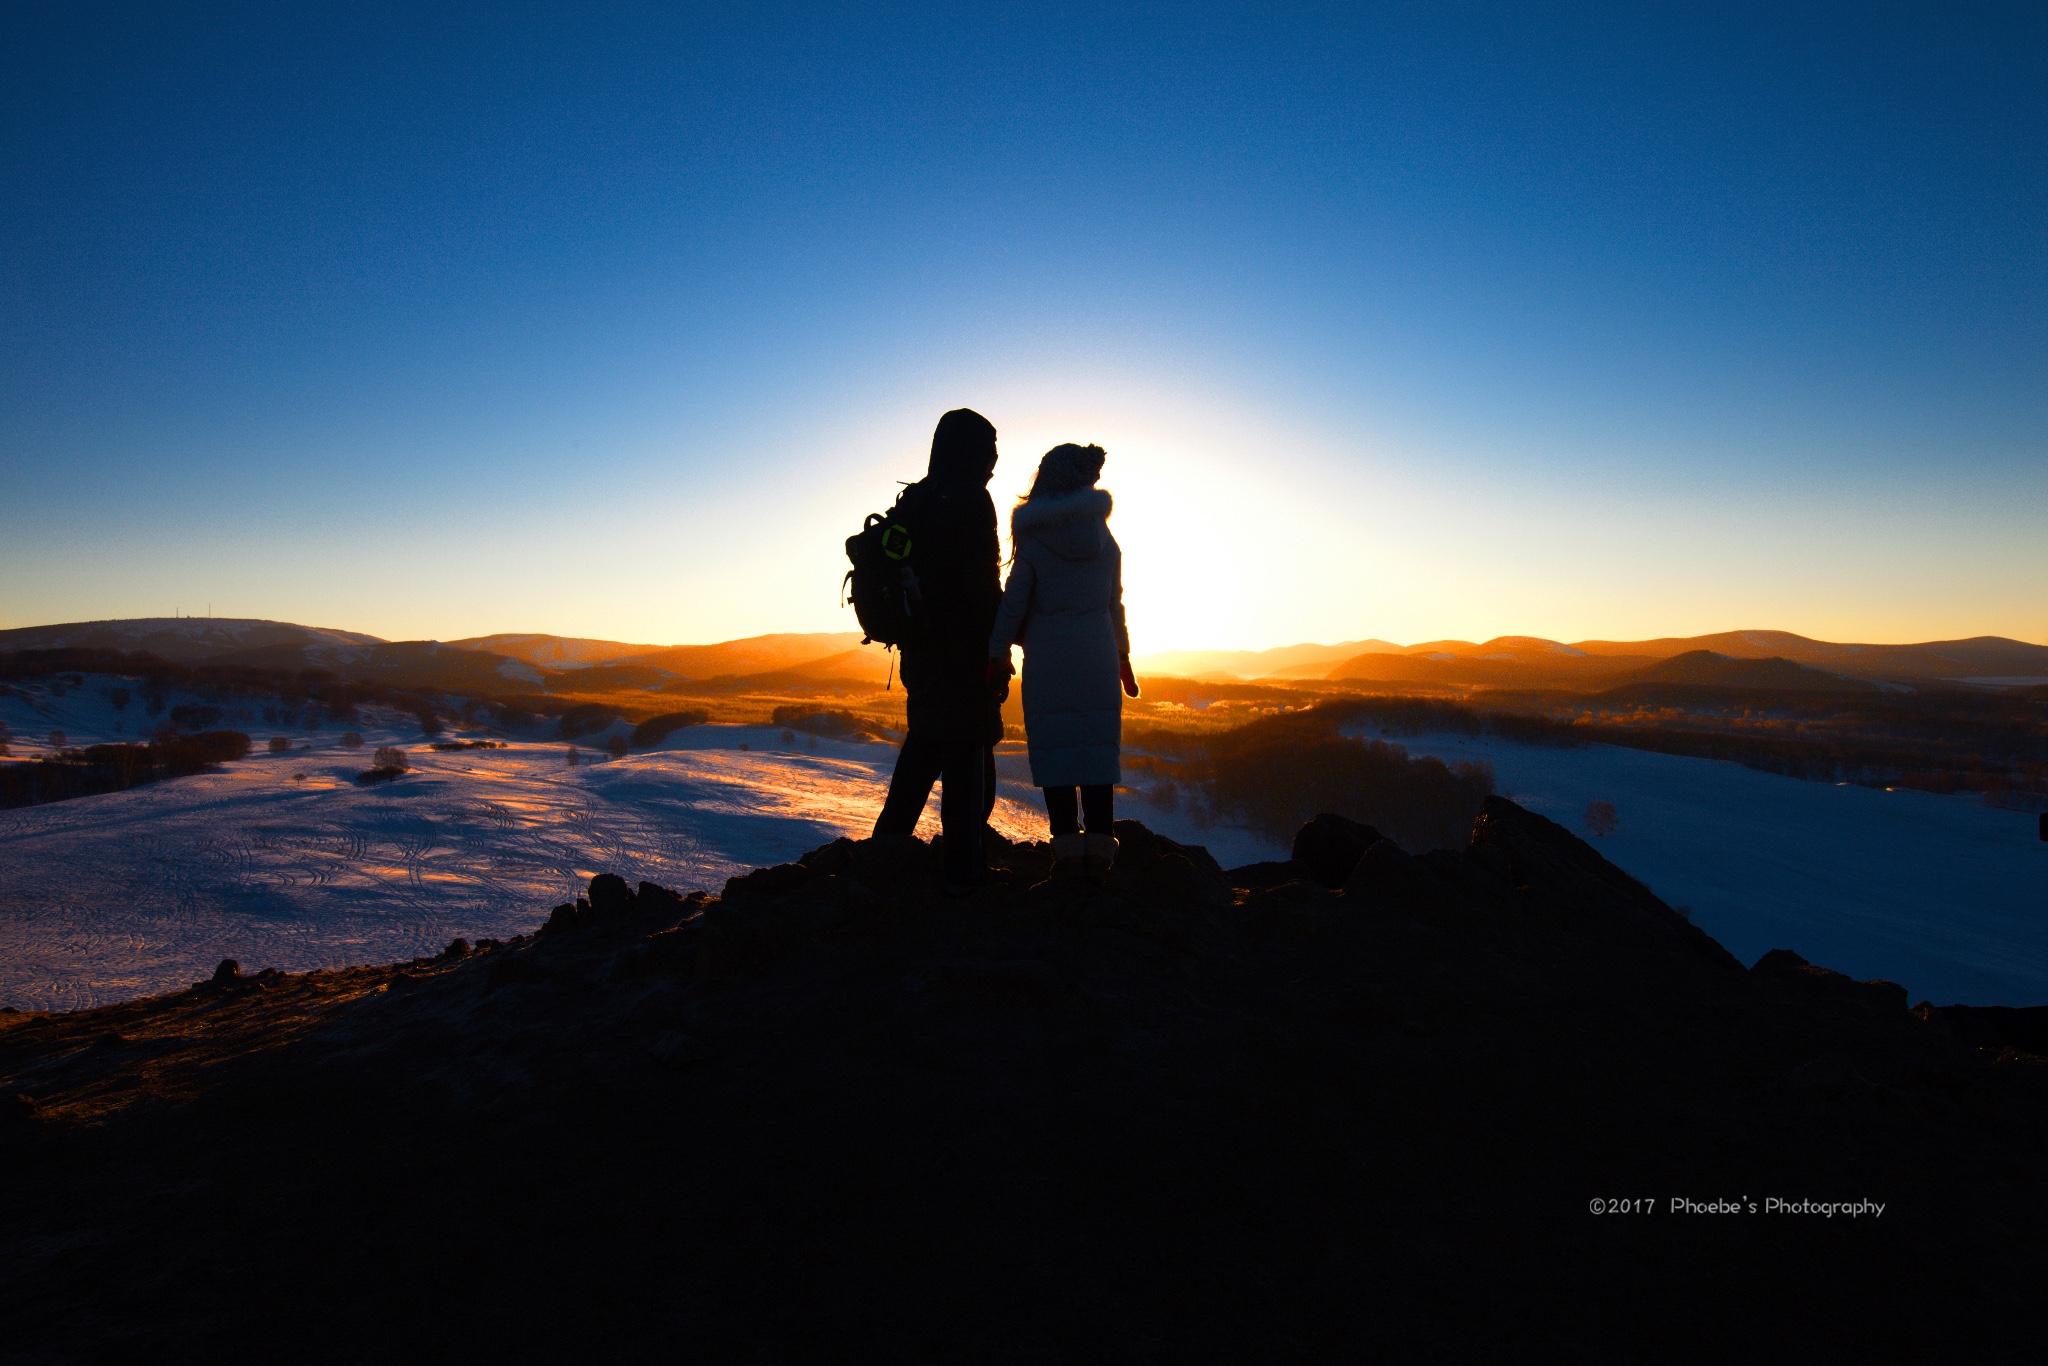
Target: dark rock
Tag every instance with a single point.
(883, 862)
(1174, 880)
(836, 857)
(457, 948)
(673, 950)
(511, 971)
(766, 884)
(111, 1039)
(1786, 970)
(676, 1050)
(995, 984)
(1138, 845)
(1031, 861)
(610, 897)
(1473, 882)
(1254, 877)
(228, 971)
(1561, 879)
(1388, 881)
(1297, 907)
(653, 897)
(1830, 1074)
(17, 1110)
(1330, 846)
(819, 905)
(2022, 1027)
(562, 918)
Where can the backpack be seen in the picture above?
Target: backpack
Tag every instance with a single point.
(882, 585)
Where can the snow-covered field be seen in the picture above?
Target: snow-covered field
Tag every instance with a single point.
(1943, 894)
(281, 861)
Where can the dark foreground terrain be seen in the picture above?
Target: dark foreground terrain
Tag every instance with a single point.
(830, 1116)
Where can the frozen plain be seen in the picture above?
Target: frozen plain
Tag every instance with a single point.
(111, 897)
(1944, 895)
(125, 894)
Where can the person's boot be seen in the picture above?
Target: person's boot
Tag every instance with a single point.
(1069, 855)
(1099, 856)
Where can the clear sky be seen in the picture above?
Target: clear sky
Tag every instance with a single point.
(1398, 321)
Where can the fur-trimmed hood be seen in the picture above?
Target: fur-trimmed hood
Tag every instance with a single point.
(1073, 526)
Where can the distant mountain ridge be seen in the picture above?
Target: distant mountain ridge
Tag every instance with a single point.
(1706, 668)
(555, 652)
(482, 663)
(523, 658)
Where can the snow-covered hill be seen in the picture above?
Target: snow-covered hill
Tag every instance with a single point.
(187, 640)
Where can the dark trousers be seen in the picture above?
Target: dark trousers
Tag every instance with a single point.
(1099, 802)
(967, 796)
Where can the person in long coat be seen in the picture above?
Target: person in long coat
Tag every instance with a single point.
(953, 715)
(1064, 603)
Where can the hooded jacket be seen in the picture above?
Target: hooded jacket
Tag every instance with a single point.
(959, 569)
(1065, 604)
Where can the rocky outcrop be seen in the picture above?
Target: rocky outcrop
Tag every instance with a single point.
(1187, 1115)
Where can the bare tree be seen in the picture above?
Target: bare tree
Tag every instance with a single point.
(1600, 818)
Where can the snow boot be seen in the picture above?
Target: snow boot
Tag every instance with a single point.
(1100, 856)
(1069, 855)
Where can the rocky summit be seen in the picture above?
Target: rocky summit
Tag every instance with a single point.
(1497, 1103)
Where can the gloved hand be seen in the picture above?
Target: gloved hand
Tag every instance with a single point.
(1130, 679)
(998, 677)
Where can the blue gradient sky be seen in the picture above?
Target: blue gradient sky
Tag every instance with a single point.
(1408, 322)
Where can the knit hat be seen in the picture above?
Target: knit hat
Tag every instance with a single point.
(1067, 469)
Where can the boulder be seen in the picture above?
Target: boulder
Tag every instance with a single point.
(1387, 880)
(1330, 846)
(1786, 970)
(654, 897)
(836, 857)
(1031, 861)
(767, 884)
(610, 897)
(1155, 868)
(1559, 878)
(227, 973)
(1253, 877)
(1298, 906)
(881, 862)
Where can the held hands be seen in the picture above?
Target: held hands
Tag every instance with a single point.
(998, 677)
(1130, 679)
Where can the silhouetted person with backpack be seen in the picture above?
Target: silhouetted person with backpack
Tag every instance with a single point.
(1065, 605)
(954, 716)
